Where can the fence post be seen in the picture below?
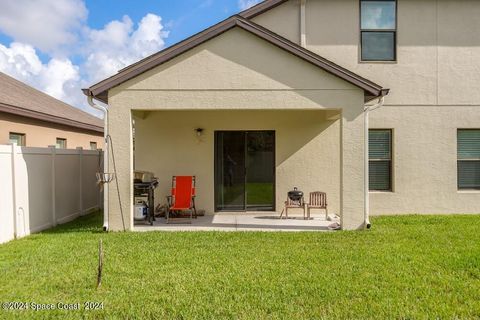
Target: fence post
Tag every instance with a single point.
(80, 180)
(14, 193)
(54, 202)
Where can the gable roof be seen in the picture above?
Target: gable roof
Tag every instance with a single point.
(18, 98)
(260, 8)
(100, 90)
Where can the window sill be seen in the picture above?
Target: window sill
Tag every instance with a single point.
(377, 62)
(468, 191)
(380, 191)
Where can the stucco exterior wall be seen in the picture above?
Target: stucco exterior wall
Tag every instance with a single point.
(434, 91)
(238, 71)
(438, 46)
(425, 160)
(43, 134)
(307, 150)
(283, 20)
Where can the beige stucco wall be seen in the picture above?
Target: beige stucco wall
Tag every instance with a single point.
(43, 134)
(438, 46)
(238, 71)
(435, 89)
(307, 149)
(425, 160)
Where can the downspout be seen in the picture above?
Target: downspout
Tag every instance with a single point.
(366, 111)
(105, 158)
(303, 25)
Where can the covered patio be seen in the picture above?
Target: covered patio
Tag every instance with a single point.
(187, 109)
(244, 161)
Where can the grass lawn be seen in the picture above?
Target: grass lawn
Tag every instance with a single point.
(405, 267)
(257, 194)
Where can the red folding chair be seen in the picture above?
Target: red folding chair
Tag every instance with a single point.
(183, 196)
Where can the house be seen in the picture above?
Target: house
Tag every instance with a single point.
(32, 118)
(374, 102)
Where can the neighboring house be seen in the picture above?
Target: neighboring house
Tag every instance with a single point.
(31, 118)
(279, 93)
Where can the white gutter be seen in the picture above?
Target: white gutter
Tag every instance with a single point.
(303, 27)
(105, 159)
(366, 187)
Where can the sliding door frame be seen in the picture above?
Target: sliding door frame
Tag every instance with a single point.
(215, 164)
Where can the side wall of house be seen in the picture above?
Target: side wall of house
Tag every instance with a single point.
(434, 90)
(43, 134)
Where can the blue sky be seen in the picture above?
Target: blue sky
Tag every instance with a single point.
(60, 46)
(182, 17)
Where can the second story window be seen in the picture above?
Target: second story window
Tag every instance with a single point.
(378, 23)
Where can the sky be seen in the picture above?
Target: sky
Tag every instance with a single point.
(62, 46)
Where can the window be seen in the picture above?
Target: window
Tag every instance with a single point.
(380, 160)
(18, 138)
(378, 24)
(468, 158)
(93, 145)
(61, 143)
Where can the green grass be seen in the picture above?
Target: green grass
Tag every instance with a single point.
(405, 267)
(258, 193)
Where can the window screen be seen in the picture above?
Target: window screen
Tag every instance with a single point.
(380, 160)
(61, 143)
(18, 138)
(468, 155)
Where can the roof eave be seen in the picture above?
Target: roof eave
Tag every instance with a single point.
(48, 118)
(100, 90)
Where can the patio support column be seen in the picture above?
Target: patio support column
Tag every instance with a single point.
(352, 169)
(120, 158)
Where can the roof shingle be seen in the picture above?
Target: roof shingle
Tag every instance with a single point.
(18, 98)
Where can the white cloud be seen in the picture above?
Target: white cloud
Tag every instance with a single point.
(45, 24)
(56, 75)
(19, 60)
(117, 45)
(245, 4)
(106, 51)
(54, 78)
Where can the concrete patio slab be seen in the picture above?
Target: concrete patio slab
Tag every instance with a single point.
(239, 222)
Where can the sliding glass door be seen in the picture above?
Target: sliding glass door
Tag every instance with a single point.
(244, 170)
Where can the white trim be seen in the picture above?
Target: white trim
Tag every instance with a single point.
(303, 24)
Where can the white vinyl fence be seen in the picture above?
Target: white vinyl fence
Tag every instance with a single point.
(43, 187)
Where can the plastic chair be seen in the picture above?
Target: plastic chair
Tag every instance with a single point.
(182, 197)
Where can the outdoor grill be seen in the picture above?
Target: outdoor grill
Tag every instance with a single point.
(295, 194)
